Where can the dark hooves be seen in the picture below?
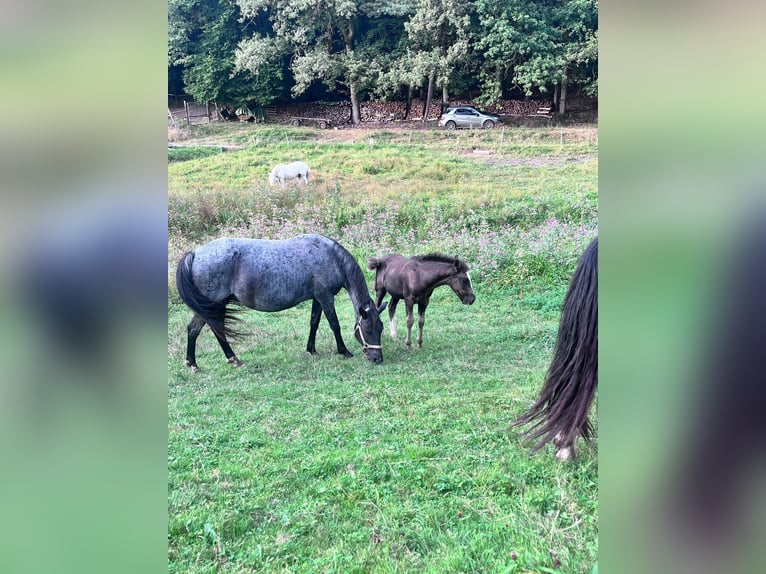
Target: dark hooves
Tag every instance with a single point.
(348, 354)
(235, 361)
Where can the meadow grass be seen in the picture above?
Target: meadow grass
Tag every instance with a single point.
(300, 463)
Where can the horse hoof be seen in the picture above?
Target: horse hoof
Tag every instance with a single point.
(348, 354)
(235, 361)
(566, 453)
(194, 368)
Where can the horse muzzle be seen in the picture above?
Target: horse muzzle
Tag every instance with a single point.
(374, 355)
(468, 299)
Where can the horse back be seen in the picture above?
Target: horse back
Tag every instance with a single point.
(267, 275)
(299, 167)
(391, 273)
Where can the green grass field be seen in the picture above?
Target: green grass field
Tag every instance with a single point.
(300, 463)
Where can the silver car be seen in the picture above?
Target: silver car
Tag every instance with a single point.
(467, 117)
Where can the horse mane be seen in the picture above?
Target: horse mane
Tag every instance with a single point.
(357, 285)
(573, 373)
(434, 257)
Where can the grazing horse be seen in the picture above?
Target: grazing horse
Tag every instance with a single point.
(282, 172)
(414, 280)
(273, 276)
(561, 412)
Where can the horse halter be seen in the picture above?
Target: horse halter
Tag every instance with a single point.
(365, 345)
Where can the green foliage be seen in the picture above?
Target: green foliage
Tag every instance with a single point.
(537, 43)
(203, 37)
(325, 41)
(257, 50)
(437, 35)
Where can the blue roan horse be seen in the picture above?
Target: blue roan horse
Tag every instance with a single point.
(273, 276)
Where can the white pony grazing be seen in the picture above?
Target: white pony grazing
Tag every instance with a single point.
(290, 171)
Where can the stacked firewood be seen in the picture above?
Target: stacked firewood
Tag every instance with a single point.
(382, 111)
(339, 113)
(521, 107)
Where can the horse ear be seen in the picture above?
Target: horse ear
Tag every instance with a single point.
(383, 306)
(363, 312)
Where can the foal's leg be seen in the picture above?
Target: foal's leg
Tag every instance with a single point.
(421, 322)
(391, 318)
(408, 304)
(380, 292)
(328, 306)
(316, 315)
(192, 332)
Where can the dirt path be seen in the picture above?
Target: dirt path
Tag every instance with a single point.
(401, 132)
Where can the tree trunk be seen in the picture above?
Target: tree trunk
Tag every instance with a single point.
(348, 38)
(563, 96)
(409, 102)
(556, 95)
(445, 94)
(430, 95)
(499, 79)
(355, 115)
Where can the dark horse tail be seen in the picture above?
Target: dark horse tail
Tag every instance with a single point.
(216, 315)
(573, 374)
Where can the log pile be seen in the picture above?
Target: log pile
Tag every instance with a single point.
(339, 113)
(382, 111)
(521, 107)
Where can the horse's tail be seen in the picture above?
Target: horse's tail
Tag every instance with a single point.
(572, 378)
(217, 315)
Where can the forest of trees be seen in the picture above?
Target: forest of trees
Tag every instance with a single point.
(256, 52)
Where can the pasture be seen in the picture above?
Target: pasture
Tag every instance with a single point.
(301, 463)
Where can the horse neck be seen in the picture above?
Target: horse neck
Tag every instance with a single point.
(354, 281)
(445, 273)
